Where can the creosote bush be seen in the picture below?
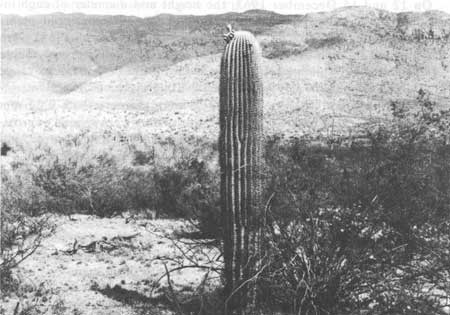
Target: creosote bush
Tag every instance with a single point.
(362, 225)
(21, 236)
(108, 178)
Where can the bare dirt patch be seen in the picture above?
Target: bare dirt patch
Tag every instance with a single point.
(97, 265)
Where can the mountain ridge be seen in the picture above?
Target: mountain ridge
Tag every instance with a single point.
(324, 72)
(70, 49)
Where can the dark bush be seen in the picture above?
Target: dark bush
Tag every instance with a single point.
(141, 190)
(190, 190)
(5, 149)
(361, 225)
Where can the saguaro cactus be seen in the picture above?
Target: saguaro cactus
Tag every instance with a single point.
(240, 146)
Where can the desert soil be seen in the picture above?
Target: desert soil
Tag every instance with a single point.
(116, 274)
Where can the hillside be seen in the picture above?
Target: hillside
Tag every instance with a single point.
(69, 49)
(324, 72)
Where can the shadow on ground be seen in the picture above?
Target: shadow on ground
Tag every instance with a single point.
(206, 304)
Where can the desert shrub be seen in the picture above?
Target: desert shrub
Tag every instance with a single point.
(317, 43)
(5, 148)
(19, 193)
(140, 188)
(361, 225)
(343, 261)
(189, 189)
(171, 182)
(95, 187)
(20, 237)
(84, 174)
(20, 233)
(202, 201)
(282, 49)
(66, 177)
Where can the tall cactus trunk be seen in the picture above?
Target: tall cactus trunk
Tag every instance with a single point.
(240, 149)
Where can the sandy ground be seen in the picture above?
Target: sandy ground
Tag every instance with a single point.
(113, 276)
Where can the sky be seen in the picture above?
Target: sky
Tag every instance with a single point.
(144, 8)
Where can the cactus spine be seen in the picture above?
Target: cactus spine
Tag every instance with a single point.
(240, 150)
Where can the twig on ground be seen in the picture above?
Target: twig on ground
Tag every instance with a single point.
(172, 292)
(109, 245)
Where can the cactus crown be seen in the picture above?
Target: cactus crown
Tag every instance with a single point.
(240, 68)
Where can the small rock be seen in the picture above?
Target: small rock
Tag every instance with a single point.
(124, 269)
